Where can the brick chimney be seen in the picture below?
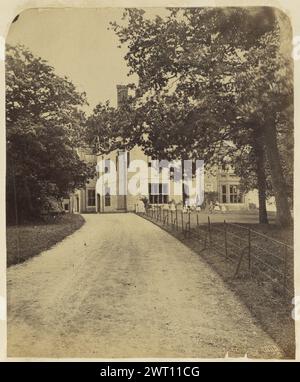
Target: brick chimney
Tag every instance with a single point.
(122, 94)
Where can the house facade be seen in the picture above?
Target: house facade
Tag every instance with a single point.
(83, 200)
(224, 185)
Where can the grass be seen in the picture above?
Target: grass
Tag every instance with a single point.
(26, 241)
(261, 291)
(285, 235)
(262, 296)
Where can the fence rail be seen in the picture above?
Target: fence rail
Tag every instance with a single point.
(238, 244)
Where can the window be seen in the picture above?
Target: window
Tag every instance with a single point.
(107, 166)
(91, 198)
(172, 172)
(230, 193)
(128, 158)
(194, 168)
(107, 197)
(234, 194)
(121, 153)
(224, 194)
(158, 193)
(66, 207)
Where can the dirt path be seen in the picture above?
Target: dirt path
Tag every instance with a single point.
(122, 287)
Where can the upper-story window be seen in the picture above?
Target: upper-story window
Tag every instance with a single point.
(159, 167)
(107, 166)
(128, 158)
(120, 153)
(172, 172)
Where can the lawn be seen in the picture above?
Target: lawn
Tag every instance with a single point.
(285, 235)
(26, 241)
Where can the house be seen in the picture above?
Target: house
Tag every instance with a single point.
(83, 200)
(223, 185)
(111, 197)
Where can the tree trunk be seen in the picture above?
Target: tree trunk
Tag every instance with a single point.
(261, 183)
(284, 217)
(15, 194)
(183, 186)
(29, 206)
(261, 178)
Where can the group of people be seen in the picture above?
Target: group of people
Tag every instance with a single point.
(211, 207)
(216, 207)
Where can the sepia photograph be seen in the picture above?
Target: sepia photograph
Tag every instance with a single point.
(150, 183)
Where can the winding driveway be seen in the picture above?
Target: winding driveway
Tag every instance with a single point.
(122, 287)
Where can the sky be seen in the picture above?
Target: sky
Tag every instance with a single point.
(77, 43)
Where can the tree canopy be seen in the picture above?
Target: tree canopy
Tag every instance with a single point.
(44, 127)
(209, 77)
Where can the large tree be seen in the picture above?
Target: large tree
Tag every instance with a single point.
(264, 102)
(44, 125)
(208, 76)
(105, 126)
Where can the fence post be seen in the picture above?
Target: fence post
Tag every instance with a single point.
(176, 218)
(225, 237)
(240, 262)
(182, 221)
(209, 233)
(189, 223)
(285, 271)
(249, 250)
(198, 228)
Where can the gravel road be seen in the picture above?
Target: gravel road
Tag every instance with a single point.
(122, 287)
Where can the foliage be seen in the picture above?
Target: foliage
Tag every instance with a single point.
(210, 81)
(105, 127)
(43, 129)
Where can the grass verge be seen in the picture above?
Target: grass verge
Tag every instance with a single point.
(270, 309)
(26, 241)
